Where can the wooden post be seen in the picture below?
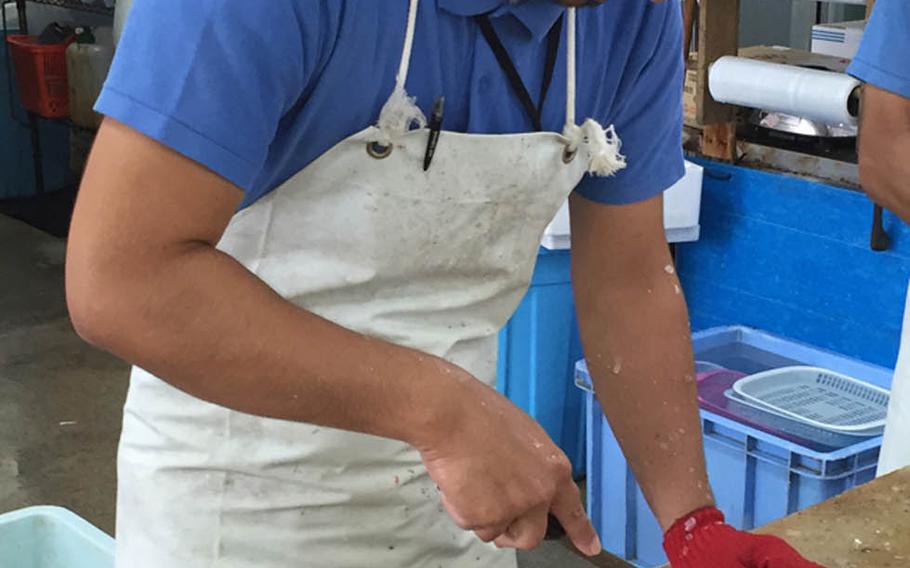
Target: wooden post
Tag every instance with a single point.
(689, 9)
(718, 36)
(719, 141)
(869, 5)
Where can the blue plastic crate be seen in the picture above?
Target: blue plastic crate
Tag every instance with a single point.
(757, 477)
(51, 537)
(538, 349)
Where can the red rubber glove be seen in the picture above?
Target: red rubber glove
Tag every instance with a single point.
(703, 540)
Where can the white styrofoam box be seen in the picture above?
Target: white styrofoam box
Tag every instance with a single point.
(840, 40)
(558, 234)
(682, 210)
(682, 202)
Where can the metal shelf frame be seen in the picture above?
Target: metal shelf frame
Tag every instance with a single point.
(97, 7)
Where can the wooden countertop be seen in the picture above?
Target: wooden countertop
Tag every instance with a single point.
(867, 527)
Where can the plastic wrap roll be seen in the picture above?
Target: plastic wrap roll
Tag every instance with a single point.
(809, 93)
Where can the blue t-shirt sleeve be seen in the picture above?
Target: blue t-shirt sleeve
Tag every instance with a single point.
(648, 114)
(883, 58)
(212, 79)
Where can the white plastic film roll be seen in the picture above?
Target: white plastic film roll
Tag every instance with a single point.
(808, 93)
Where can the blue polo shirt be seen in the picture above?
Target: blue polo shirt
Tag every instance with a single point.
(255, 91)
(883, 58)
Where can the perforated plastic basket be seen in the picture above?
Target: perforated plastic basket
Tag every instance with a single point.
(818, 397)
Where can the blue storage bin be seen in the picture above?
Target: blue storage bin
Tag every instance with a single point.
(51, 537)
(757, 477)
(538, 349)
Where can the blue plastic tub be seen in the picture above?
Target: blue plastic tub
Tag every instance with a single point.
(52, 537)
(538, 349)
(757, 477)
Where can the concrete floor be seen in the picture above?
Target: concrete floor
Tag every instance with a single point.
(61, 400)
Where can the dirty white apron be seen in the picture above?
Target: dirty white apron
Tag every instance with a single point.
(435, 261)
(896, 447)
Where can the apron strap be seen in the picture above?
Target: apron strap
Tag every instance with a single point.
(400, 113)
(602, 143)
(570, 67)
(405, 63)
(508, 66)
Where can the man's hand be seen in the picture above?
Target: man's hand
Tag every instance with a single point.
(500, 475)
(702, 539)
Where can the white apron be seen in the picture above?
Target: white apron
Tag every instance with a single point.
(896, 446)
(435, 261)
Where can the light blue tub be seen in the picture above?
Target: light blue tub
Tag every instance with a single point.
(52, 537)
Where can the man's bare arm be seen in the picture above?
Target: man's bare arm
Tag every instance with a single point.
(635, 330)
(884, 150)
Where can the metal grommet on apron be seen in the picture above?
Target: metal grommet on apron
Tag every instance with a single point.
(379, 151)
(436, 262)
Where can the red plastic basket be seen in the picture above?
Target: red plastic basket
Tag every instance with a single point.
(41, 75)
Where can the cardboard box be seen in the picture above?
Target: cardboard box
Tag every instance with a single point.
(690, 108)
(840, 40)
(798, 57)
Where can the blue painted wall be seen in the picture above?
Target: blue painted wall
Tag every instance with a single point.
(777, 253)
(792, 257)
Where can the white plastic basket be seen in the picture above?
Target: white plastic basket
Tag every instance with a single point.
(781, 422)
(818, 397)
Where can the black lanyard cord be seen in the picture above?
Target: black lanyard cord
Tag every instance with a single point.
(508, 67)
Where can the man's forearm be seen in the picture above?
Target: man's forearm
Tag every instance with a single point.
(886, 177)
(636, 335)
(198, 319)
(884, 148)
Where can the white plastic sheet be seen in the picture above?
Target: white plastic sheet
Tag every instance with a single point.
(823, 96)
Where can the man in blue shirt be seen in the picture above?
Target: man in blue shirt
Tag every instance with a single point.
(310, 282)
(882, 63)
